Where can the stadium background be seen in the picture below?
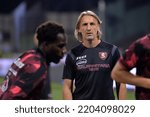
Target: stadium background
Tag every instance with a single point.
(123, 22)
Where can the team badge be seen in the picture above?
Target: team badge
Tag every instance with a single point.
(103, 55)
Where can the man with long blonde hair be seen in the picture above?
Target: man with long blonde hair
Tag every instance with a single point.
(89, 64)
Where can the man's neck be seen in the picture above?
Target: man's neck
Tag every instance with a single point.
(91, 43)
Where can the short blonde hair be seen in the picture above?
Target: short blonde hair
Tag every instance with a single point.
(76, 33)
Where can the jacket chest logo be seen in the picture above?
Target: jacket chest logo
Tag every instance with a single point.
(103, 55)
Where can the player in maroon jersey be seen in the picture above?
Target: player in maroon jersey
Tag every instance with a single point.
(47, 93)
(26, 77)
(136, 56)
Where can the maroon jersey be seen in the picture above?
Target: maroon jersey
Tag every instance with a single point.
(138, 56)
(26, 77)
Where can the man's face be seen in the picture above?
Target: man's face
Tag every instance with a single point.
(88, 27)
(57, 49)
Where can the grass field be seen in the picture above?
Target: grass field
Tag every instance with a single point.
(57, 91)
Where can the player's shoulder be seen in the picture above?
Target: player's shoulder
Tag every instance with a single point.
(107, 45)
(30, 54)
(76, 50)
(32, 59)
(77, 47)
(143, 39)
(32, 65)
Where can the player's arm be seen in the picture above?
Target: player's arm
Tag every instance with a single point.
(121, 74)
(27, 80)
(67, 89)
(13, 93)
(122, 92)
